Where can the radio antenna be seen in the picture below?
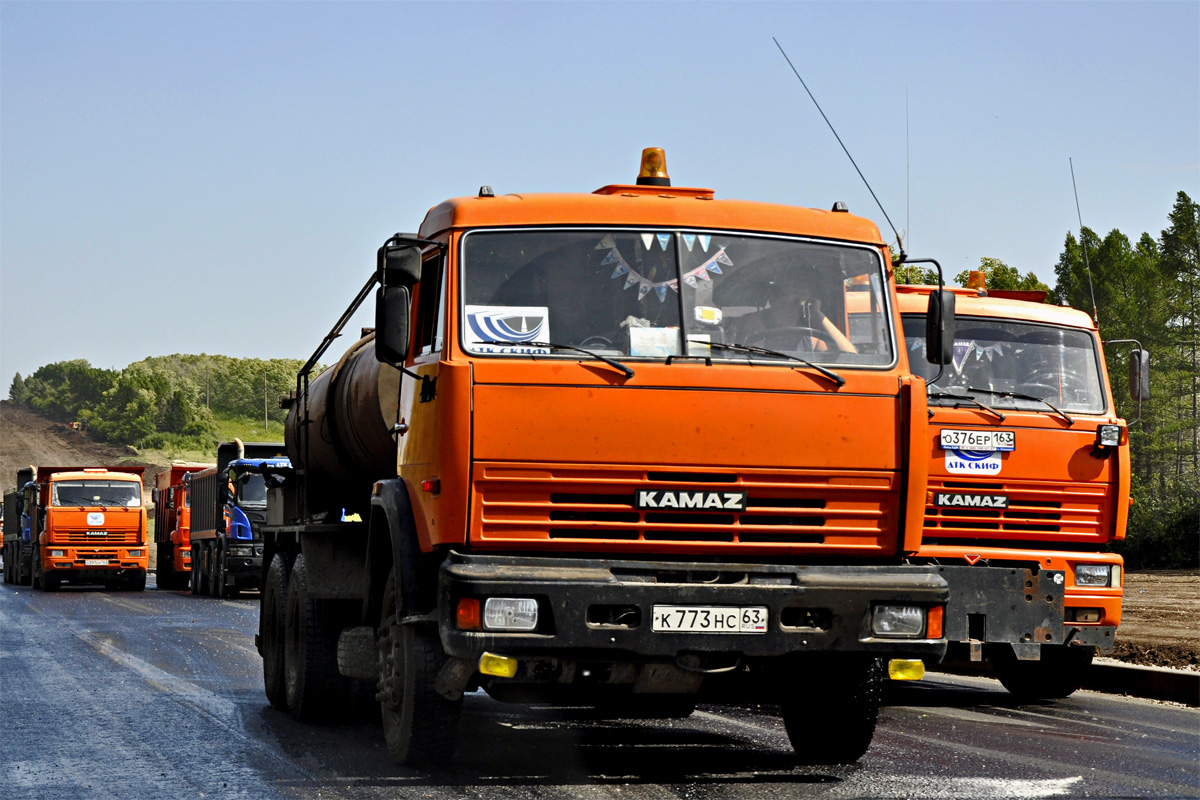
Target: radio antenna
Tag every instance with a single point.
(899, 241)
(1083, 238)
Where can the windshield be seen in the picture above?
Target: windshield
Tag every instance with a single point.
(658, 294)
(253, 491)
(125, 494)
(1055, 364)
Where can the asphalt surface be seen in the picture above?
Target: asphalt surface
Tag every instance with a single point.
(158, 694)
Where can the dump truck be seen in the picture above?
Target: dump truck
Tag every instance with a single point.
(77, 525)
(227, 505)
(608, 449)
(18, 552)
(1029, 480)
(172, 525)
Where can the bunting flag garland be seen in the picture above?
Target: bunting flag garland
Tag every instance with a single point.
(645, 285)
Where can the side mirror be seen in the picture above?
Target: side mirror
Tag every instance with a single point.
(1139, 375)
(399, 265)
(154, 495)
(391, 324)
(939, 328)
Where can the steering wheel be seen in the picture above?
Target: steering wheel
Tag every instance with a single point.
(796, 338)
(1040, 390)
(592, 341)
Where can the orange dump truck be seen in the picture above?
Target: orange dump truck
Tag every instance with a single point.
(609, 449)
(172, 526)
(1028, 485)
(84, 525)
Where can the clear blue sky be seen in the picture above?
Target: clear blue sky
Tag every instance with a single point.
(215, 177)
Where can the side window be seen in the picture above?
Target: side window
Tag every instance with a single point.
(431, 301)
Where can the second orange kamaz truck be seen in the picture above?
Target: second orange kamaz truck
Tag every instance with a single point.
(172, 526)
(1028, 486)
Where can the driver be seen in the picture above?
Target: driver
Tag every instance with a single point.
(795, 307)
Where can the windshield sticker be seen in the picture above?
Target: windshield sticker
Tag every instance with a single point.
(507, 329)
(709, 315)
(653, 342)
(966, 462)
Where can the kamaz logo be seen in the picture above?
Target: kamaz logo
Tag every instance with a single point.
(948, 500)
(702, 501)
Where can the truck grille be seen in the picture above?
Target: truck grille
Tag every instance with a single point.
(587, 505)
(1068, 512)
(88, 537)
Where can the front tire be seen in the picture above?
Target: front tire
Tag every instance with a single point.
(420, 726)
(834, 724)
(274, 608)
(1057, 674)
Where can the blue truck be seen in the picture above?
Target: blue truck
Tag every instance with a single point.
(228, 507)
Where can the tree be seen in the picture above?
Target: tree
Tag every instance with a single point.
(17, 392)
(916, 274)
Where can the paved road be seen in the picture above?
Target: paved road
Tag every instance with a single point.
(158, 695)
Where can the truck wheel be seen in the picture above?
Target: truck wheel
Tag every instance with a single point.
(212, 558)
(274, 606)
(136, 582)
(35, 579)
(219, 580)
(51, 583)
(194, 574)
(1060, 671)
(420, 726)
(311, 679)
(834, 724)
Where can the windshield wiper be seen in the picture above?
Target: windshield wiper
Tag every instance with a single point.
(967, 398)
(612, 362)
(1019, 396)
(746, 348)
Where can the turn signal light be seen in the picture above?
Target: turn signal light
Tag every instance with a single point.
(467, 615)
(933, 624)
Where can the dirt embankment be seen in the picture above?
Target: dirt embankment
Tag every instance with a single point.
(1160, 626)
(27, 438)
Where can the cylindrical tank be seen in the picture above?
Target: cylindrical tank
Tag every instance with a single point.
(352, 407)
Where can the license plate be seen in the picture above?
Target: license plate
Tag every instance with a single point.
(710, 619)
(978, 440)
(96, 562)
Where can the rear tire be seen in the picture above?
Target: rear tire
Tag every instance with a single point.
(834, 724)
(197, 573)
(212, 566)
(420, 726)
(274, 608)
(1060, 671)
(312, 683)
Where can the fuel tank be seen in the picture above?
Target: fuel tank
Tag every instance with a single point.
(351, 408)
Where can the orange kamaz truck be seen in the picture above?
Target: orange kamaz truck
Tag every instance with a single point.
(610, 449)
(172, 526)
(1028, 486)
(81, 525)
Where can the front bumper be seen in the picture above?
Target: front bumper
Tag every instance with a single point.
(1013, 605)
(599, 608)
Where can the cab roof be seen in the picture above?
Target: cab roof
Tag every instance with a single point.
(647, 206)
(915, 299)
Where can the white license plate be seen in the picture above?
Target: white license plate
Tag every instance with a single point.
(710, 619)
(96, 562)
(978, 440)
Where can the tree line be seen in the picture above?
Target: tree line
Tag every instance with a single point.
(162, 401)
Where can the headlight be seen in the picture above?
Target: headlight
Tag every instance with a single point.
(898, 621)
(1092, 574)
(510, 614)
(1108, 436)
(241, 552)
